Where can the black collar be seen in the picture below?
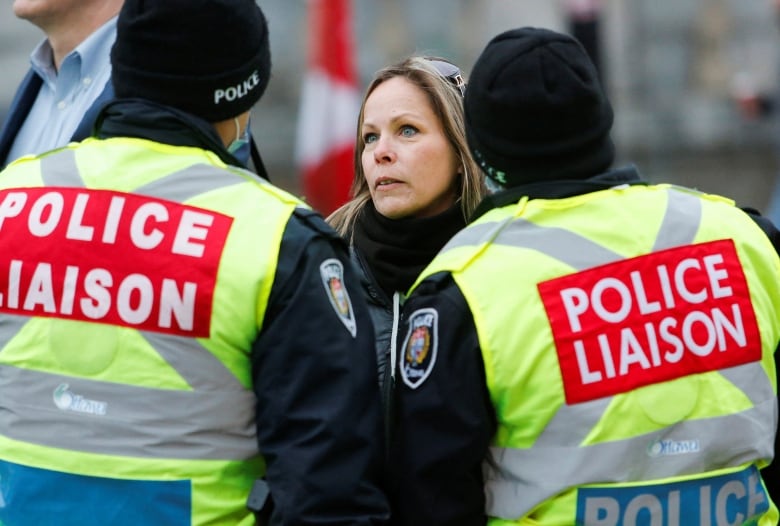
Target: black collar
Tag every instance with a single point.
(397, 250)
(145, 119)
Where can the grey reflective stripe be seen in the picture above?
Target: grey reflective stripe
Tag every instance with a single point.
(753, 381)
(10, 325)
(60, 169)
(477, 234)
(571, 424)
(194, 363)
(189, 182)
(564, 245)
(681, 220)
(679, 226)
(137, 421)
(517, 480)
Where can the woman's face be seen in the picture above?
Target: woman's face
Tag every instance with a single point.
(410, 166)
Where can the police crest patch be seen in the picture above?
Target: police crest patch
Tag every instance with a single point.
(420, 346)
(332, 274)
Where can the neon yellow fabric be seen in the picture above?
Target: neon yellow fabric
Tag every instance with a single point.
(499, 283)
(124, 356)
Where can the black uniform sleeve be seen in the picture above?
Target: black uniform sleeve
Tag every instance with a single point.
(771, 473)
(766, 225)
(446, 421)
(318, 408)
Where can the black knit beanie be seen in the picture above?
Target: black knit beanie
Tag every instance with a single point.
(535, 109)
(209, 58)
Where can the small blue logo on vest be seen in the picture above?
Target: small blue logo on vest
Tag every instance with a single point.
(67, 400)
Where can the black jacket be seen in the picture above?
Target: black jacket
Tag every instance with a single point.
(452, 421)
(382, 314)
(386, 317)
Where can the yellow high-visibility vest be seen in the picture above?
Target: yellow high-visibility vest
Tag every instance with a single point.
(134, 278)
(628, 339)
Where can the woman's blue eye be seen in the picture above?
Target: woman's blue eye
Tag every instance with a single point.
(369, 138)
(408, 131)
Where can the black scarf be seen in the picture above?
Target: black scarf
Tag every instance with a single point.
(397, 250)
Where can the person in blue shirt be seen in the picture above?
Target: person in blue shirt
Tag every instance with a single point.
(69, 77)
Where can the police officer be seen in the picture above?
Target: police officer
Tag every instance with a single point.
(591, 349)
(181, 342)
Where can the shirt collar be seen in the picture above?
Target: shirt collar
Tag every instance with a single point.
(91, 53)
(42, 62)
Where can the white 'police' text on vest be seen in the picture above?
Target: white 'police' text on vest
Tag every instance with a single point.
(651, 318)
(109, 257)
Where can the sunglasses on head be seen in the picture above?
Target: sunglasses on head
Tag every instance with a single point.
(451, 72)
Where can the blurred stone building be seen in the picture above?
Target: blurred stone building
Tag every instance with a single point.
(669, 66)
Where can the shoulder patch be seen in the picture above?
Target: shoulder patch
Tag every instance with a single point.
(332, 274)
(420, 347)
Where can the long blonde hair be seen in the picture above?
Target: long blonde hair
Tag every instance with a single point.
(447, 102)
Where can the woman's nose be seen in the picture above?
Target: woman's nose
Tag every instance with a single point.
(383, 150)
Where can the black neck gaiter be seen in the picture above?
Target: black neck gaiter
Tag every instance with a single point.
(397, 250)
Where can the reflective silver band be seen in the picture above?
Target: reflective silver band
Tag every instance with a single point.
(679, 226)
(10, 325)
(193, 362)
(516, 480)
(60, 169)
(681, 221)
(189, 182)
(137, 421)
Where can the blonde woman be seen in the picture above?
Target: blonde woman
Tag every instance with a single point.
(415, 185)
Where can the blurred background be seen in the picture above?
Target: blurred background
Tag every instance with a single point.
(672, 68)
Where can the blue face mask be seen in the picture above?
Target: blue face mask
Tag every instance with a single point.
(241, 139)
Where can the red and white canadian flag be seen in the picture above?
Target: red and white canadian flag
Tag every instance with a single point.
(330, 104)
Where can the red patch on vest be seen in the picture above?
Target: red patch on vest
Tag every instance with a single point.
(651, 319)
(109, 257)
